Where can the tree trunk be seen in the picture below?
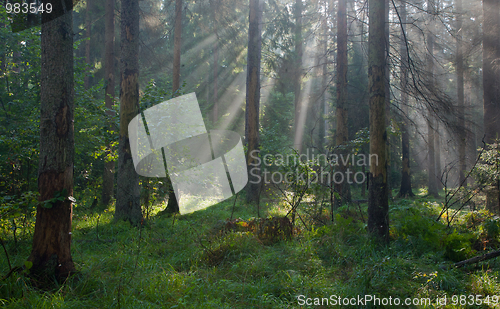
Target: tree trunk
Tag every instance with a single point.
(378, 207)
(405, 189)
(173, 205)
(128, 205)
(109, 166)
(387, 96)
(253, 100)
(437, 139)
(342, 134)
(297, 78)
(88, 32)
(216, 64)
(460, 98)
(431, 182)
(51, 253)
(324, 90)
(491, 69)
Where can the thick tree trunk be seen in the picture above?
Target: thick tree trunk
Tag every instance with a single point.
(378, 206)
(253, 100)
(297, 78)
(109, 166)
(342, 134)
(51, 252)
(460, 98)
(128, 205)
(405, 189)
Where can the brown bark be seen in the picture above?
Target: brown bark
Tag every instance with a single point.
(128, 197)
(297, 78)
(378, 207)
(342, 134)
(51, 251)
(253, 100)
(405, 188)
(109, 167)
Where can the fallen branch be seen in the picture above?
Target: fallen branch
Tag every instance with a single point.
(478, 258)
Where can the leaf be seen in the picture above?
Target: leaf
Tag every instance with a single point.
(28, 265)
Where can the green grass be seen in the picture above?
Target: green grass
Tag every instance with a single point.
(187, 263)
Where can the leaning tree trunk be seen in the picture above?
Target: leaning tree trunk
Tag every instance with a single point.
(173, 205)
(405, 189)
(128, 205)
(253, 101)
(378, 204)
(51, 252)
(342, 188)
(109, 166)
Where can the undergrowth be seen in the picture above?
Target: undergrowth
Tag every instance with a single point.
(217, 258)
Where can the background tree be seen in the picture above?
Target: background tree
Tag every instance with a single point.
(51, 251)
(109, 62)
(297, 75)
(342, 132)
(128, 205)
(378, 207)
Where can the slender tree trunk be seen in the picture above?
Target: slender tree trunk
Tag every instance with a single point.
(177, 46)
(253, 100)
(128, 205)
(109, 166)
(216, 63)
(297, 78)
(51, 252)
(491, 69)
(324, 90)
(342, 136)
(431, 184)
(173, 205)
(88, 32)
(388, 96)
(378, 204)
(405, 189)
(460, 96)
(437, 139)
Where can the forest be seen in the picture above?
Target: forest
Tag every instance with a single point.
(250, 154)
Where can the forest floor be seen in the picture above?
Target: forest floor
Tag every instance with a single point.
(194, 261)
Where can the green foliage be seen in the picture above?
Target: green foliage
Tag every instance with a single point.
(487, 171)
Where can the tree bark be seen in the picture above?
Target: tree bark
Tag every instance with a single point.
(253, 100)
(378, 206)
(109, 166)
(177, 46)
(342, 134)
(491, 69)
(88, 32)
(128, 205)
(405, 188)
(460, 98)
(431, 181)
(297, 78)
(173, 205)
(51, 251)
